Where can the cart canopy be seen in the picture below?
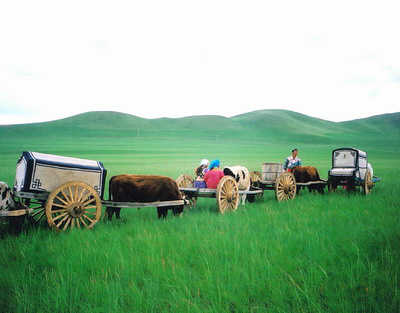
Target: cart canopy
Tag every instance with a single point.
(39, 172)
(348, 162)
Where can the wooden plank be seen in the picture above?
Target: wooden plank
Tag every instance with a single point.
(207, 191)
(267, 182)
(115, 204)
(211, 193)
(199, 190)
(30, 195)
(312, 183)
(250, 192)
(15, 212)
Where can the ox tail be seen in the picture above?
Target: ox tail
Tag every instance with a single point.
(317, 174)
(110, 197)
(109, 189)
(109, 210)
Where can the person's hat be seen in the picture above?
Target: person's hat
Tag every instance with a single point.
(214, 163)
(295, 149)
(204, 162)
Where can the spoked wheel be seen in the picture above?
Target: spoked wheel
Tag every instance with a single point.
(255, 178)
(285, 187)
(39, 211)
(186, 181)
(73, 204)
(368, 184)
(227, 194)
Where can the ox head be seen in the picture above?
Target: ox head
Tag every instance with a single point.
(229, 172)
(235, 173)
(6, 199)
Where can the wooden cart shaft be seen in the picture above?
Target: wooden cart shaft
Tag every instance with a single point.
(211, 193)
(116, 204)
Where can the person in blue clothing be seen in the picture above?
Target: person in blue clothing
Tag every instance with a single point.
(292, 161)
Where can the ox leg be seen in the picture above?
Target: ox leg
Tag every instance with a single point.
(244, 196)
(117, 213)
(177, 210)
(110, 212)
(16, 222)
(162, 212)
(251, 198)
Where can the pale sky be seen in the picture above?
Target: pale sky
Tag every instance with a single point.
(336, 60)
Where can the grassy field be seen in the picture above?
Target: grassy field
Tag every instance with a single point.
(317, 253)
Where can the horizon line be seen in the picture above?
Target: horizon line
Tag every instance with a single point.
(191, 116)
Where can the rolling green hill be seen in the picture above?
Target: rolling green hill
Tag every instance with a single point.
(270, 125)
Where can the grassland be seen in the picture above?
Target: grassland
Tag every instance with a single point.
(318, 253)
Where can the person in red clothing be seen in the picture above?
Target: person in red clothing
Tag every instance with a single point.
(214, 175)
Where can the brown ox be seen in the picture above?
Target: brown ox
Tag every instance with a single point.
(305, 174)
(144, 188)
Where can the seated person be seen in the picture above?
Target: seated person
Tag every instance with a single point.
(200, 172)
(214, 175)
(291, 161)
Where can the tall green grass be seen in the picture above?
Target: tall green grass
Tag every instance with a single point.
(318, 253)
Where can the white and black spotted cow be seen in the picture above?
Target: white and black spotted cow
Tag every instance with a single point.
(6, 200)
(241, 175)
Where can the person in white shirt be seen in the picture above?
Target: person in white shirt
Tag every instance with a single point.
(292, 161)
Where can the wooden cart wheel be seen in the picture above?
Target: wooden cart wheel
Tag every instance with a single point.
(227, 194)
(39, 211)
(73, 204)
(255, 179)
(184, 181)
(285, 187)
(368, 184)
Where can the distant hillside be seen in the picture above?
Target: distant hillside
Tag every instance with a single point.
(271, 125)
(385, 124)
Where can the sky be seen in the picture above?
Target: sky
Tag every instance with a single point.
(336, 60)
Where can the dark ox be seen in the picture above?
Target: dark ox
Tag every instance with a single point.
(144, 188)
(305, 174)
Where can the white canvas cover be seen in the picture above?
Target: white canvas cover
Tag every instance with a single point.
(346, 160)
(38, 172)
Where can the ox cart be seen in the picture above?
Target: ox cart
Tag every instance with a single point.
(68, 192)
(273, 177)
(350, 169)
(227, 192)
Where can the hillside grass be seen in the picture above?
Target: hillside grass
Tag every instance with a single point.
(275, 126)
(318, 253)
